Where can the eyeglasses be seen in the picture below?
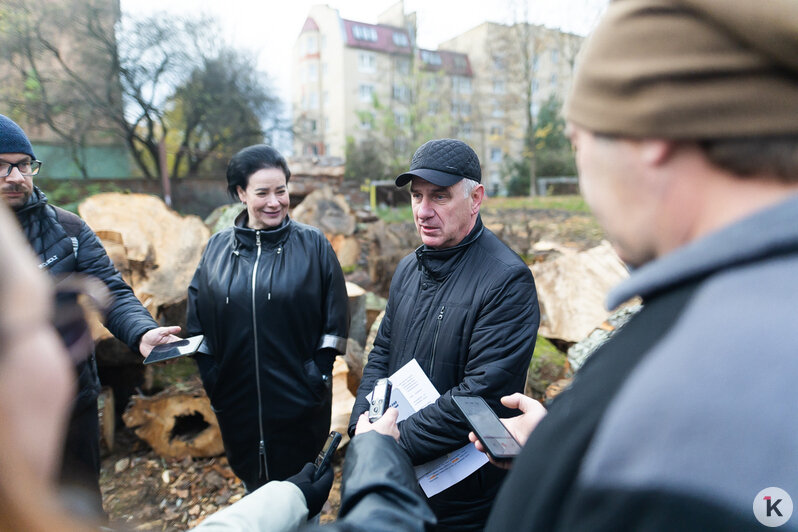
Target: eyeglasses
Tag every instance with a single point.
(25, 168)
(73, 296)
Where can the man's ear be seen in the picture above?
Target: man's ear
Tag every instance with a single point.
(656, 152)
(477, 195)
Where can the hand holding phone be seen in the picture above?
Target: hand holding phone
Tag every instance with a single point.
(324, 458)
(181, 348)
(499, 444)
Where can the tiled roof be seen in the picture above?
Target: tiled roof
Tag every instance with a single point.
(310, 25)
(453, 63)
(376, 37)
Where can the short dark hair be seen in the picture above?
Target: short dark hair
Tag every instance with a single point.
(248, 161)
(751, 156)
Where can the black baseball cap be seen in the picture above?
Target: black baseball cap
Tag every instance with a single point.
(443, 162)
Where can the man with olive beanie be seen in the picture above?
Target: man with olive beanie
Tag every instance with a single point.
(684, 118)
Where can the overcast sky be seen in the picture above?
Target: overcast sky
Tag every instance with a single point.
(269, 28)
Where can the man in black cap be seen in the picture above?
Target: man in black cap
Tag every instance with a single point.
(65, 245)
(464, 306)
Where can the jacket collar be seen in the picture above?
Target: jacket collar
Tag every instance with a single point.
(36, 201)
(766, 233)
(246, 237)
(438, 263)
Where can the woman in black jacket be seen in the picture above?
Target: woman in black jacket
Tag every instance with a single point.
(270, 298)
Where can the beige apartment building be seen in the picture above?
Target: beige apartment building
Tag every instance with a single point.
(516, 69)
(371, 81)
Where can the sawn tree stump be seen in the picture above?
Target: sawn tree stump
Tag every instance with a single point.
(176, 423)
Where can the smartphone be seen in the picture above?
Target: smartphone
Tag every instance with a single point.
(492, 433)
(380, 399)
(180, 348)
(325, 455)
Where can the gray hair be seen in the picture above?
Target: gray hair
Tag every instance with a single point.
(468, 186)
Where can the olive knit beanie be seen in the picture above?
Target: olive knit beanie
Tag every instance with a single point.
(689, 70)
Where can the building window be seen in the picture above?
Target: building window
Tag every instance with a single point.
(461, 84)
(553, 80)
(403, 65)
(433, 107)
(400, 119)
(535, 85)
(495, 155)
(400, 39)
(430, 58)
(494, 180)
(496, 131)
(536, 64)
(460, 62)
(498, 86)
(325, 98)
(366, 120)
(465, 131)
(324, 70)
(313, 100)
(366, 92)
(367, 62)
(555, 56)
(312, 126)
(313, 72)
(364, 33)
(401, 93)
(498, 111)
(312, 44)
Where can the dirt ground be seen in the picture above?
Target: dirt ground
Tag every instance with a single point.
(142, 491)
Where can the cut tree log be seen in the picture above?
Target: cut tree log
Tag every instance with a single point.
(572, 288)
(161, 247)
(178, 422)
(342, 401)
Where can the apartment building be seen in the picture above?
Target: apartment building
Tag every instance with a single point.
(350, 77)
(359, 80)
(516, 69)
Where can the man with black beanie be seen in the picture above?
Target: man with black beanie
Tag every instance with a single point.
(65, 245)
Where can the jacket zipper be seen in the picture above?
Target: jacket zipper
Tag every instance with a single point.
(435, 340)
(271, 273)
(263, 466)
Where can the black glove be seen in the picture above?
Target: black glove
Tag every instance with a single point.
(315, 492)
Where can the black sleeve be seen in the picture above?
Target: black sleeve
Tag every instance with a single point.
(127, 318)
(380, 491)
(335, 307)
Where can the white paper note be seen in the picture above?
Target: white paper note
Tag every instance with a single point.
(411, 390)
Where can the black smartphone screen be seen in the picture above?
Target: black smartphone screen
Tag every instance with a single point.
(185, 347)
(325, 455)
(491, 432)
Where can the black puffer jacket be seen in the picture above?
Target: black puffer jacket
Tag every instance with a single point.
(64, 245)
(271, 346)
(469, 315)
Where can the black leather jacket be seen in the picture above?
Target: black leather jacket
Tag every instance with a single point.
(469, 315)
(380, 492)
(49, 230)
(270, 346)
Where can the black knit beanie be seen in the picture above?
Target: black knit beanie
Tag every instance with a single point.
(13, 139)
